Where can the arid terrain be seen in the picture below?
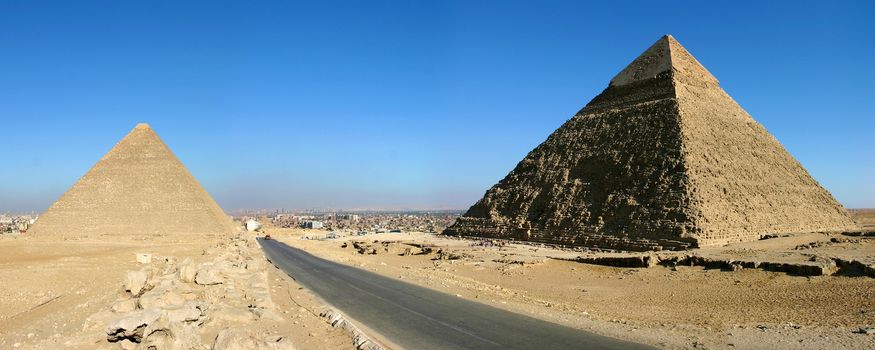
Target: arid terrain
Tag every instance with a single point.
(673, 306)
(864, 217)
(67, 294)
(804, 291)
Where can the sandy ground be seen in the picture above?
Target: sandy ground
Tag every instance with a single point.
(864, 217)
(49, 290)
(682, 307)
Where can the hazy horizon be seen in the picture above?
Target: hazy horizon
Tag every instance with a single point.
(397, 105)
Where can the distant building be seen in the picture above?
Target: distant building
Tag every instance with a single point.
(350, 217)
(252, 225)
(312, 224)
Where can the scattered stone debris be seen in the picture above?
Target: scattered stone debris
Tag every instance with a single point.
(773, 235)
(860, 233)
(447, 255)
(820, 244)
(620, 261)
(816, 266)
(168, 304)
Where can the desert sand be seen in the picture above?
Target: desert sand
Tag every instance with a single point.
(664, 306)
(66, 295)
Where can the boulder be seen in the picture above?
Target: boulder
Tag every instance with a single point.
(132, 326)
(144, 258)
(187, 271)
(207, 276)
(135, 282)
(161, 300)
(172, 335)
(190, 312)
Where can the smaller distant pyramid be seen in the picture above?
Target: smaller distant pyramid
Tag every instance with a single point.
(139, 188)
(663, 158)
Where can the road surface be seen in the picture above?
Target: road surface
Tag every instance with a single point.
(414, 317)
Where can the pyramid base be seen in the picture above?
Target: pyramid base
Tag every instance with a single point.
(573, 238)
(475, 228)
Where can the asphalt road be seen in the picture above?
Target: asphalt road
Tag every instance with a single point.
(414, 317)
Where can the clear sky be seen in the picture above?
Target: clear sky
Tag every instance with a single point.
(403, 104)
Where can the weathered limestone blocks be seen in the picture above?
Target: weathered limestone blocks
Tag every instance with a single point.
(207, 276)
(815, 266)
(187, 271)
(131, 326)
(136, 281)
(168, 305)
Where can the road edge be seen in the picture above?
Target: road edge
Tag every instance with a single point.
(363, 338)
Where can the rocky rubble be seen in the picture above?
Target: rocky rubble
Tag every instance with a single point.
(188, 305)
(815, 266)
(390, 247)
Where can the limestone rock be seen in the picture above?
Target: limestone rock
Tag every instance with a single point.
(143, 258)
(135, 282)
(132, 326)
(160, 299)
(187, 270)
(663, 158)
(172, 335)
(190, 312)
(208, 276)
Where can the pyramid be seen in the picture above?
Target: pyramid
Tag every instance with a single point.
(663, 158)
(139, 188)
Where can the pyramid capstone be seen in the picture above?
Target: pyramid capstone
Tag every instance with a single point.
(663, 158)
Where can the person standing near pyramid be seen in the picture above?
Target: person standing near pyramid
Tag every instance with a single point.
(139, 188)
(663, 158)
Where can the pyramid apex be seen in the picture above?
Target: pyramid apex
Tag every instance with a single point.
(143, 126)
(665, 55)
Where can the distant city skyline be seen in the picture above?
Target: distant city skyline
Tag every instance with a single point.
(397, 105)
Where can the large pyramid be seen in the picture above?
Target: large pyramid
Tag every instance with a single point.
(663, 158)
(139, 189)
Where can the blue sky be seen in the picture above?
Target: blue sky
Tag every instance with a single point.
(403, 104)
